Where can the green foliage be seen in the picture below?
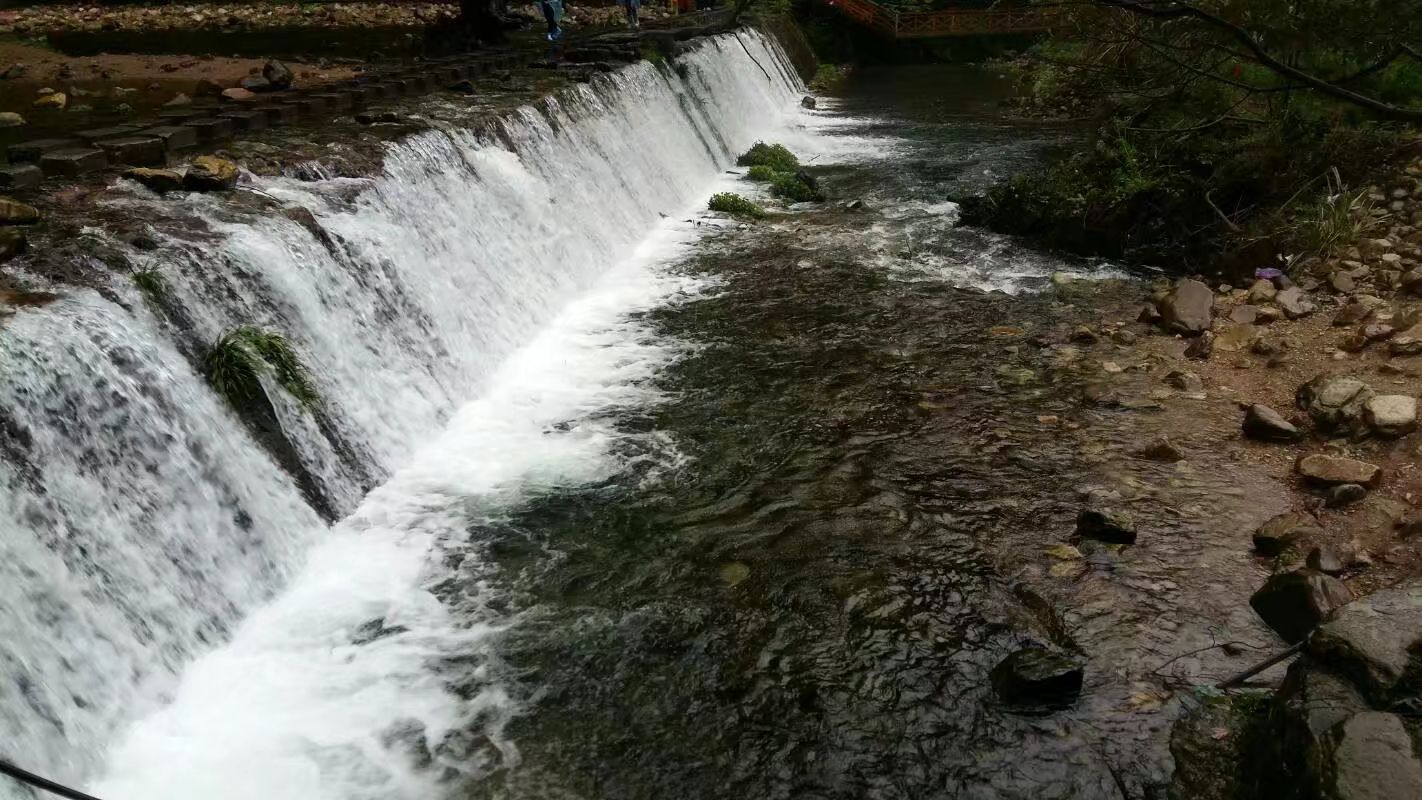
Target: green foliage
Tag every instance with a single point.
(653, 55)
(152, 283)
(794, 188)
(735, 205)
(829, 77)
(236, 362)
(775, 156)
(762, 173)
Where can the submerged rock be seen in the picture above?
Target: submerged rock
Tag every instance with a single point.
(1106, 526)
(1294, 603)
(1326, 470)
(1188, 309)
(210, 173)
(1034, 676)
(1160, 449)
(1267, 425)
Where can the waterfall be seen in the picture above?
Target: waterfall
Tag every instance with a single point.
(179, 620)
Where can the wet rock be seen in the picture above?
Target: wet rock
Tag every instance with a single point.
(1369, 756)
(1188, 309)
(809, 102)
(1034, 676)
(1185, 381)
(1282, 531)
(13, 212)
(1294, 303)
(1325, 470)
(159, 180)
(207, 88)
(407, 737)
(1372, 642)
(12, 243)
(1106, 525)
(1391, 415)
(1202, 346)
(56, 100)
(1264, 424)
(1334, 403)
(1323, 559)
(237, 95)
(1160, 449)
(9, 119)
(1344, 494)
(1261, 292)
(255, 84)
(210, 173)
(1293, 603)
(278, 75)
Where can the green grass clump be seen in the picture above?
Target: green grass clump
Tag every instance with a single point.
(735, 205)
(794, 188)
(237, 360)
(775, 156)
(762, 173)
(152, 284)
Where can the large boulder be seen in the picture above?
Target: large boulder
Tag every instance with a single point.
(1377, 642)
(1188, 309)
(1267, 425)
(1368, 756)
(1293, 603)
(1284, 530)
(1325, 470)
(210, 174)
(1334, 403)
(1034, 676)
(278, 75)
(1391, 415)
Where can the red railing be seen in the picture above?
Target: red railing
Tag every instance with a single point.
(948, 22)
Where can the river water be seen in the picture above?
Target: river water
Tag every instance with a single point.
(633, 501)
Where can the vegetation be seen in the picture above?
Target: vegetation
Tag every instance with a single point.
(796, 187)
(238, 360)
(735, 205)
(761, 173)
(774, 156)
(1223, 132)
(152, 284)
(828, 77)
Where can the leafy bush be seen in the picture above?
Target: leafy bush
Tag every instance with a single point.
(795, 188)
(735, 205)
(828, 77)
(775, 156)
(762, 173)
(236, 362)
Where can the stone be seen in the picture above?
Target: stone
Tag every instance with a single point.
(238, 95)
(1264, 424)
(1260, 292)
(1334, 403)
(1243, 314)
(12, 243)
(13, 212)
(137, 151)
(278, 114)
(1294, 303)
(210, 173)
(1185, 381)
(211, 129)
(55, 100)
(1368, 756)
(1188, 309)
(1342, 283)
(9, 119)
(1035, 676)
(1202, 347)
(255, 84)
(335, 101)
(1265, 316)
(465, 87)
(20, 176)
(278, 75)
(1282, 531)
(1149, 314)
(1123, 337)
(175, 138)
(1372, 642)
(1106, 526)
(1323, 559)
(1377, 331)
(1405, 346)
(1343, 494)
(1351, 314)
(1294, 603)
(179, 99)
(31, 151)
(1325, 470)
(1311, 701)
(207, 87)
(1391, 415)
(1084, 335)
(73, 162)
(809, 102)
(159, 180)
(1160, 449)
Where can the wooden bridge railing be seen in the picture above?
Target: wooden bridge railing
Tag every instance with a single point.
(948, 22)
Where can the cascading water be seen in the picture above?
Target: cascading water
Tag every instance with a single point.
(478, 287)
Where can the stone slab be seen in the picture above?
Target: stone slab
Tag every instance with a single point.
(246, 120)
(280, 114)
(135, 151)
(335, 101)
(31, 151)
(72, 162)
(176, 138)
(211, 129)
(111, 132)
